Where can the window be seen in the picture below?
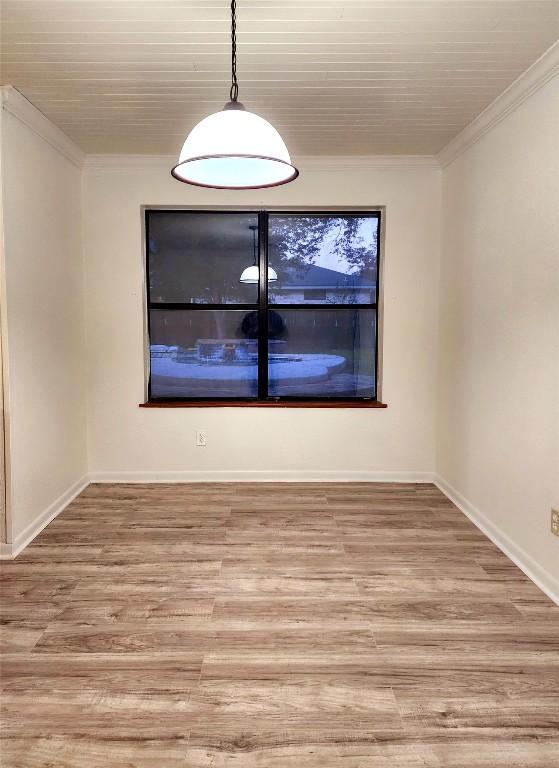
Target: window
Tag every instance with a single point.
(219, 330)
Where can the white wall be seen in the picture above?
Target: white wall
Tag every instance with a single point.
(124, 439)
(45, 330)
(498, 418)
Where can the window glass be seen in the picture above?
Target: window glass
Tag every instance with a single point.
(321, 352)
(323, 259)
(204, 304)
(204, 353)
(198, 257)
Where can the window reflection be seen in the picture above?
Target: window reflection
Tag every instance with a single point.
(323, 353)
(204, 353)
(323, 259)
(198, 258)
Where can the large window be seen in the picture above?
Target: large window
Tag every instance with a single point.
(262, 306)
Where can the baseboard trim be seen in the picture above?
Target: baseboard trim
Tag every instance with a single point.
(262, 476)
(10, 551)
(5, 551)
(541, 578)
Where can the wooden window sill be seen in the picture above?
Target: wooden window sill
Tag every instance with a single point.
(261, 404)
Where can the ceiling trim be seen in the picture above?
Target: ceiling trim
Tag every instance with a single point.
(309, 162)
(531, 80)
(366, 162)
(16, 104)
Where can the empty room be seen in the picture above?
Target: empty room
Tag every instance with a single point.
(279, 439)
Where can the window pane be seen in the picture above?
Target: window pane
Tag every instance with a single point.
(323, 259)
(198, 257)
(204, 353)
(322, 353)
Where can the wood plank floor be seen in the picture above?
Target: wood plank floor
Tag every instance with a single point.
(274, 626)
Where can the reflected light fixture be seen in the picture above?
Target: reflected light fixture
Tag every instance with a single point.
(234, 148)
(250, 275)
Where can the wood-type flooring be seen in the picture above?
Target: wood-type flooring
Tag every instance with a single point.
(274, 626)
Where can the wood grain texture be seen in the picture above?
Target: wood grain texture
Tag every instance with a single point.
(335, 77)
(274, 626)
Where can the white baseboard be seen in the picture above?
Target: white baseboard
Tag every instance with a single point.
(5, 551)
(10, 551)
(541, 578)
(262, 476)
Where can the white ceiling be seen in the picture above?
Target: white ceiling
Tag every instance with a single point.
(351, 77)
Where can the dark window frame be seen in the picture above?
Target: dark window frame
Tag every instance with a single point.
(263, 306)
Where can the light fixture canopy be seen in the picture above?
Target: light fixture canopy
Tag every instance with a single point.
(234, 148)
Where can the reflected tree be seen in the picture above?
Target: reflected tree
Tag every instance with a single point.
(218, 250)
(298, 241)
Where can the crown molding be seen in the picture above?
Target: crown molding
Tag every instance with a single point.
(541, 72)
(128, 162)
(309, 162)
(365, 162)
(23, 110)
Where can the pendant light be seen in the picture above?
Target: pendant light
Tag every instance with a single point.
(250, 275)
(234, 148)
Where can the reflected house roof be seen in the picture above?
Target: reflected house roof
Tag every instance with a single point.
(323, 279)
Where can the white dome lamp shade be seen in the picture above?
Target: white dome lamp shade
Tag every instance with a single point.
(251, 275)
(234, 148)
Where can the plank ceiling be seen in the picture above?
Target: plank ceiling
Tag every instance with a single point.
(335, 77)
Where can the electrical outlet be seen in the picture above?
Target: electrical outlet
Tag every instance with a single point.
(555, 521)
(201, 439)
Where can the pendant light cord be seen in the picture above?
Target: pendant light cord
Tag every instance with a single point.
(234, 92)
(254, 228)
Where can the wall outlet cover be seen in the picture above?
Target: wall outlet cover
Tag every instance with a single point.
(201, 438)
